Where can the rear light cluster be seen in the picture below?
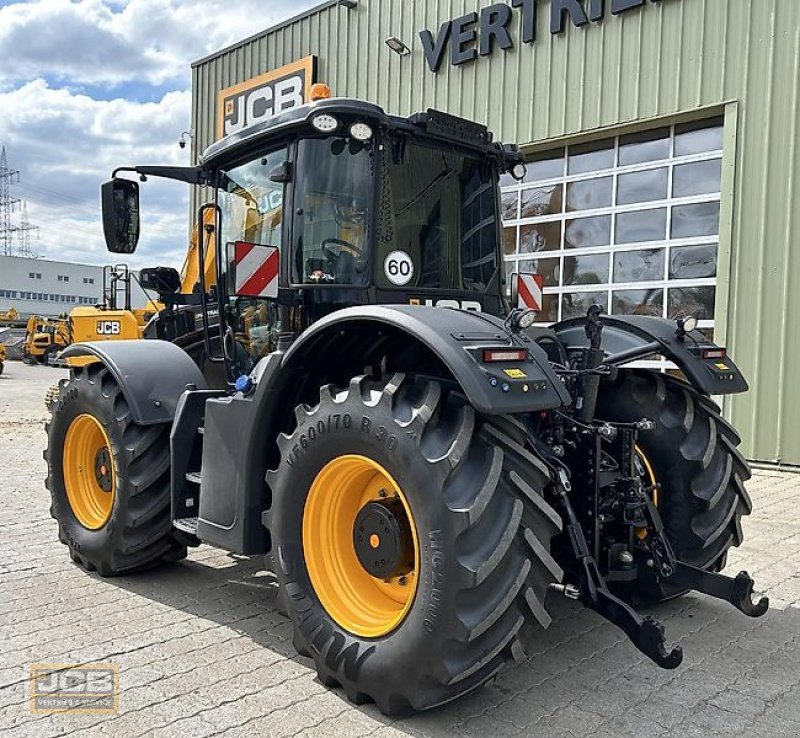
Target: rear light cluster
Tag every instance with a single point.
(715, 353)
(493, 356)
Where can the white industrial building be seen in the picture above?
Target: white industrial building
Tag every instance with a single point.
(50, 288)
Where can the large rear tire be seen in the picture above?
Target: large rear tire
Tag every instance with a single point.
(694, 457)
(477, 565)
(109, 478)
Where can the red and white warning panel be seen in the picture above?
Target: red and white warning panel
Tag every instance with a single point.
(256, 269)
(530, 288)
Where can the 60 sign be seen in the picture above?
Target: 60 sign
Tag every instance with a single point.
(398, 267)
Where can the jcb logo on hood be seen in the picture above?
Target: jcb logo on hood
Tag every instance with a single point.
(108, 327)
(262, 97)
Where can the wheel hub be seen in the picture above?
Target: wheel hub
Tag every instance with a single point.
(382, 539)
(102, 469)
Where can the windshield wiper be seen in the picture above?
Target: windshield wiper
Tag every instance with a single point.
(425, 190)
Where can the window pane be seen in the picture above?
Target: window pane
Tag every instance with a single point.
(585, 232)
(697, 301)
(549, 311)
(540, 237)
(575, 304)
(509, 241)
(701, 219)
(548, 268)
(639, 266)
(699, 178)
(642, 147)
(541, 201)
(508, 205)
(642, 186)
(589, 269)
(644, 225)
(590, 193)
(697, 138)
(693, 262)
(638, 302)
(547, 166)
(591, 157)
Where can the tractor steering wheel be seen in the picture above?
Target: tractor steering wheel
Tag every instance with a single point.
(333, 256)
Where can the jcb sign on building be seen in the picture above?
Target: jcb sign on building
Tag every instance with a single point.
(263, 96)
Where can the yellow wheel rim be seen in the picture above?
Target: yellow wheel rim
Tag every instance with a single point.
(363, 604)
(651, 476)
(89, 472)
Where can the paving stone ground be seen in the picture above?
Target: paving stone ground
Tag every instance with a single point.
(203, 652)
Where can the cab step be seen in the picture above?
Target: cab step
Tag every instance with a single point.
(187, 525)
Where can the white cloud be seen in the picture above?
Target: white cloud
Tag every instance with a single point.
(95, 42)
(65, 142)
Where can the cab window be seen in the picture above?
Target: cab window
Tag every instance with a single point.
(252, 208)
(333, 192)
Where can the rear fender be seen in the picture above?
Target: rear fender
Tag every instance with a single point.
(152, 374)
(454, 338)
(712, 376)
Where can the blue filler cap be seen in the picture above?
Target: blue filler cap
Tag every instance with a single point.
(244, 384)
(506, 387)
(493, 381)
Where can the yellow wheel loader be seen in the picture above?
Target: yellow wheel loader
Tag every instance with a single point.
(360, 402)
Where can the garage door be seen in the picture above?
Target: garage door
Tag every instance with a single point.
(629, 222)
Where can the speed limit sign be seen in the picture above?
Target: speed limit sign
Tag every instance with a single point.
(398, 267)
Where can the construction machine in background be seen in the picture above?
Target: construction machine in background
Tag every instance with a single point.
(358, 400)
(45, 338)
(10, 318)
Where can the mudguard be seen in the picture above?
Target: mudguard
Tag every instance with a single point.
(152, 374)
(713, 375)
(457, 338)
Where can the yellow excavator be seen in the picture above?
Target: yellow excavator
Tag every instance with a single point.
(45, 338)
(10, 317)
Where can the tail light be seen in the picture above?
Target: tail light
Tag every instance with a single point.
(494, 355)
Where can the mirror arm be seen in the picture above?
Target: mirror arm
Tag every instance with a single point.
(190, 175)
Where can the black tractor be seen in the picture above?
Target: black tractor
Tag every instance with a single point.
(421, 464)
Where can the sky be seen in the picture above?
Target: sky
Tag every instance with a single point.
(89, 85)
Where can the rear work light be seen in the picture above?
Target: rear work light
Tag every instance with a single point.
(503, 354)
(715, 353)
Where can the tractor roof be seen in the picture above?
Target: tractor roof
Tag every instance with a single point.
(432, 123)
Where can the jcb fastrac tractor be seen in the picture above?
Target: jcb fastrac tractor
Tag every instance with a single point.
(420, 463)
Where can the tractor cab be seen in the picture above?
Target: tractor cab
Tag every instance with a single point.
(335, 204)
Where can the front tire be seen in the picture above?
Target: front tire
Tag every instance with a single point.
(109, 478)
(482, 530)
(694, 456)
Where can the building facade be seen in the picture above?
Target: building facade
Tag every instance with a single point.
(52, 288)
(661, 138)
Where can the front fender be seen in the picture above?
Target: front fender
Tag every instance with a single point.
(712, 376)
(152, 374)
(456, 338)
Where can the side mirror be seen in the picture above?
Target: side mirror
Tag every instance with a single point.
(527, 291)
(120, 205)
(253, 269)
